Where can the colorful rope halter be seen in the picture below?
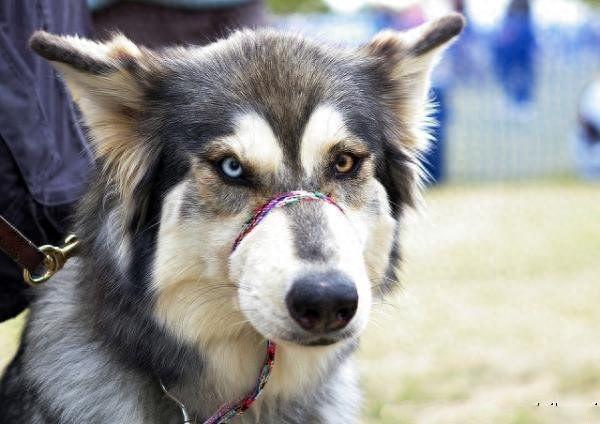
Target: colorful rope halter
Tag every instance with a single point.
(232, 409)
(284, 199)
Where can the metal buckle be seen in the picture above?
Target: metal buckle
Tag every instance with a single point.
(54, 261)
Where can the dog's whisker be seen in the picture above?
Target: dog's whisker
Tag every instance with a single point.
(386, 304)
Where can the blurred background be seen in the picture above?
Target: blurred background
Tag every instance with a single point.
(498, 318)
(513, 95)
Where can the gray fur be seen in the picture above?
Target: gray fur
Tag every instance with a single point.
(311, 236)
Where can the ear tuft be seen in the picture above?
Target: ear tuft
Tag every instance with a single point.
(81, 54)
(427, 38)
(438, 33)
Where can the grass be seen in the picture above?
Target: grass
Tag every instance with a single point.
(10, 332)
(499, 311)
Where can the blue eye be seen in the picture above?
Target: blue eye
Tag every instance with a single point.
(231, 167)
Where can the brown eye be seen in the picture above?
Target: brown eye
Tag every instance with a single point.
(344, 163)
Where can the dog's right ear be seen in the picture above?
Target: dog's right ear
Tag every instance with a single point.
(106, 81)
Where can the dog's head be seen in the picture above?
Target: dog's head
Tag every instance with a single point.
(190, 141)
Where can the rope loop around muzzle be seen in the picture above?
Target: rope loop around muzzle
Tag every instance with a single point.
(283, 199)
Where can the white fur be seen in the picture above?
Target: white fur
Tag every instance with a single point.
(350, 238)
(190, 273)
(344, 392)
(255, 142)
(324, 129)
(378, 233)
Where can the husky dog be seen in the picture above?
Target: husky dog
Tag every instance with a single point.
(189, 141)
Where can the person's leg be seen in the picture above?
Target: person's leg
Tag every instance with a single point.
(13, 298)
(14, 206)
(41, 224)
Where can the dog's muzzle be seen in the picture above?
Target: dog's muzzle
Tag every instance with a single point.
(319, 302)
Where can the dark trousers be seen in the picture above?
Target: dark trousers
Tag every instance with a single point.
(41, 224)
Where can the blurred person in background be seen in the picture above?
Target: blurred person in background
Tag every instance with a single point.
(44, 158)
(458, 62)
(587, 136)
(408, 17)
(157, 23)
(514, 54)
(462, 54)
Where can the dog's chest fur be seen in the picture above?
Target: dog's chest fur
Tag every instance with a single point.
(78, 378)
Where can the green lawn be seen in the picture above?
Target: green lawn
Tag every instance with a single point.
(499, 310)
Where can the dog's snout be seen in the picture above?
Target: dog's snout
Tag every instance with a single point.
(322, 302)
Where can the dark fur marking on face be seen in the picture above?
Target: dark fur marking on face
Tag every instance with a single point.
(308, 224)
(224, 201)
(205, 98)
(302, 75)
(216, 196)
(170, 169)
(397, 175)
(390, 279)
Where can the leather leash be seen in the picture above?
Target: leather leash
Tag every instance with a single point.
(18, 247)
(49, 259)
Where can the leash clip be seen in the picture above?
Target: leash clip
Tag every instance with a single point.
(54, 261)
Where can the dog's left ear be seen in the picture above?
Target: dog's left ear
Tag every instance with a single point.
(106, 80)
(406, 60)
(403, 62)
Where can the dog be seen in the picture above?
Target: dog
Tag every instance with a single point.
(189, 141)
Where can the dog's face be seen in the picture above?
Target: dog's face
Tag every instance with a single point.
(190, 141)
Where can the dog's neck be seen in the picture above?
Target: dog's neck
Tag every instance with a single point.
(204, 376)
(231, 367)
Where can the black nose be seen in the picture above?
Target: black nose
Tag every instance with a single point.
(322, 302)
